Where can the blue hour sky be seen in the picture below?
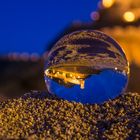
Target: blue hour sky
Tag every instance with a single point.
(29, 25)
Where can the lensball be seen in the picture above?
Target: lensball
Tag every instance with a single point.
(86, 66)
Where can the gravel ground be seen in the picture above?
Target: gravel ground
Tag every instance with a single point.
(38, 115)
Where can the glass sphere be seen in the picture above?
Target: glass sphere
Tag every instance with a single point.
(86, 66)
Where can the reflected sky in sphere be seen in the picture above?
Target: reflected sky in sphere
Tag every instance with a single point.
(86, 66)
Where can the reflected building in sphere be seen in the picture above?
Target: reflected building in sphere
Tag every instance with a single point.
(86, 66)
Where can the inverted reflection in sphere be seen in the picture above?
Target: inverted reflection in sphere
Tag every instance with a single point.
(86, 66)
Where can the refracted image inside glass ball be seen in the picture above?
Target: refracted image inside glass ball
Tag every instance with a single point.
(86, 66)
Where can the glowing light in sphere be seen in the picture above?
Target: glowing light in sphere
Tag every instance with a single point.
(86, 66)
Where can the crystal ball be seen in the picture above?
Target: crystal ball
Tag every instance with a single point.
(86, 66)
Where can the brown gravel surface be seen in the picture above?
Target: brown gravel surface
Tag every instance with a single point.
(38, 115)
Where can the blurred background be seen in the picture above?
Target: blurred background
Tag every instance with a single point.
(28, 29)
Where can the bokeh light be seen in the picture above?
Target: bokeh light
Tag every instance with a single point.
(108, 3)
(95, 16)
(129, 16)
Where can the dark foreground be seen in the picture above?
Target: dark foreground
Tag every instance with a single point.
(41, 116)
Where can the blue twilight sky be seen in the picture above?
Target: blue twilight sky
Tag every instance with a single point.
(28, 25)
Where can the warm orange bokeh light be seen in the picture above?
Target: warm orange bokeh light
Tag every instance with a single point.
(107, 3)
(129, 16)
